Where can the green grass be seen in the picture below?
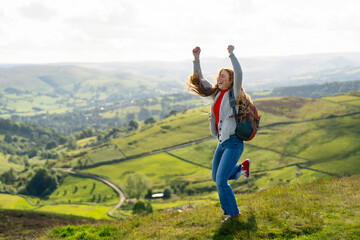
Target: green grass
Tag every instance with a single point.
(81, 190)
(23, 105)
(5, 165)
(8, 201)
(201, 153)
(193, 125)
(80, 210)
(318, 147)
(327, 209)
(162, 169)
(186, 128)
(321, 148)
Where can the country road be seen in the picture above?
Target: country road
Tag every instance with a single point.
(113, 186)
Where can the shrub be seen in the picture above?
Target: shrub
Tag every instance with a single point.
(141, 207)
(167, 193)
(50, 145)
(150, 120)
(42, 183)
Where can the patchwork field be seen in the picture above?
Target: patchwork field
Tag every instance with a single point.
(300, 140)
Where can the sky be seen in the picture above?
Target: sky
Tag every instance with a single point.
(48, 31)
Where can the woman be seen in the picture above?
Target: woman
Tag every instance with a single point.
(222, 125)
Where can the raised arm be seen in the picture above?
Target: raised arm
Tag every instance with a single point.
(237, 71)
(197, 67)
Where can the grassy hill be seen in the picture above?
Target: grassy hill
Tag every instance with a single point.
(318, 210)
(300, 141)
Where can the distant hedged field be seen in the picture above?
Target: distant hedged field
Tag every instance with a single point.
(300, 140)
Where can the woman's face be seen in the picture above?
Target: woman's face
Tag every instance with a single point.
(224, 80)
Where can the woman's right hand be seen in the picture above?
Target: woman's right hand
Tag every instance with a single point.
(196, 53)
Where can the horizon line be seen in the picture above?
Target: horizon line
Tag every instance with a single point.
(173, 61)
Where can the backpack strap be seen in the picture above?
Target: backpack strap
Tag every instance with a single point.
(232, 100)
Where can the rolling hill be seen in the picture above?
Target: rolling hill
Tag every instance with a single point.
(301, 140)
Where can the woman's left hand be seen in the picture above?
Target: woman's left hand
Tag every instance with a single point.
(230, 49)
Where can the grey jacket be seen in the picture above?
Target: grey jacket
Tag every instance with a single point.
(226, 125)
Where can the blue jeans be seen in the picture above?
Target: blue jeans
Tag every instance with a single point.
(224, 168)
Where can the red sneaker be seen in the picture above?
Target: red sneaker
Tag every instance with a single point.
(228, 218)
(246, 168)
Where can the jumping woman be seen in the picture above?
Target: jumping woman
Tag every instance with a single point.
(222, 125)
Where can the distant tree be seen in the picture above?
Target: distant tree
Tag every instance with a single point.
(44, 138)
(71, 143)
(93, 188)
(89, 132)
(8, 177)
(49, 154)
(173, 112)
(32, 152)
(141, 207)
(26, 161)
(62, 140)
(52, 144)
(8, 138)
(149, 194)
(136, 185)
(150, 120)
(133, 125)
(167, 193)
(42, 183)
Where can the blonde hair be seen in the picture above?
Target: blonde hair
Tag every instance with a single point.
(243, 100)
(195, 86)
(245, 106)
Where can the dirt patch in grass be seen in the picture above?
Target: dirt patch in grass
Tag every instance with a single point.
(29, 225)
(283, 106)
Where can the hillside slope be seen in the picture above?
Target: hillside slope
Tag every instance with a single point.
(319, 210)
(300, 140)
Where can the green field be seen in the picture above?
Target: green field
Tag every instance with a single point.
(80, 210)
(5, 165)
(299, 149)
(8, 201)
(300, 140)
(78, 190)
(162, 169)
(319, 210)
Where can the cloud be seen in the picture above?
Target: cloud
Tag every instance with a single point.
(115, 30)
(37, 11)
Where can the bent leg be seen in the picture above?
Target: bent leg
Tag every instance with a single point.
(236, 171)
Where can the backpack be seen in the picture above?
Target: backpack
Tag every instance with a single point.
(246, 130)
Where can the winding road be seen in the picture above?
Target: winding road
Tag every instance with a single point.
(113, 186)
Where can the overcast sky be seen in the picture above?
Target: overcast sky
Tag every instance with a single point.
(40, 31)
